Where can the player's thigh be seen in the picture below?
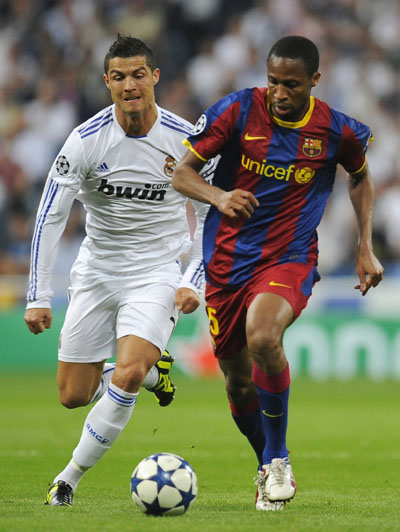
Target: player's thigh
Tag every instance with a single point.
(292, 281)
(149, 313)
(88, 332)
(267, 318)
(276, 297)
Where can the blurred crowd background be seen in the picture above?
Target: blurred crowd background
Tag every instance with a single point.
(51, 68)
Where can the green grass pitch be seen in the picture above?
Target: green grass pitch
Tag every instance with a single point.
(344, 443)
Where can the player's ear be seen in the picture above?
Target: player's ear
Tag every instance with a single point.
(315, 79)
(156, 76)
(106, 81)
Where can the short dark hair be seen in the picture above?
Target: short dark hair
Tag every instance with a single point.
(296, 47)
(127, 46)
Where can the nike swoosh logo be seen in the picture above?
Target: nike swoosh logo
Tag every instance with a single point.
(248, 137)
(272, 415)
(273, 283)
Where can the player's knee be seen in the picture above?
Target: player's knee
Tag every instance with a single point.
(264, 341)
(129, 378)
(73, 400)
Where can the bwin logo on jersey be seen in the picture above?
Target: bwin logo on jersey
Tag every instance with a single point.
(155, 192)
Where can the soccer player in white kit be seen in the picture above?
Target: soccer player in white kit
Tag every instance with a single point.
(127, 287)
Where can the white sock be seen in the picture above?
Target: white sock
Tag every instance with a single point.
(108, 372)
(151, 378)
(103, 425)
(149, 381)
(71, 474)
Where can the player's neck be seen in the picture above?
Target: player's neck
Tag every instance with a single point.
(138, 124)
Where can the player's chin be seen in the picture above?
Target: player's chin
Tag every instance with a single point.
(132, 106)
(282, 112)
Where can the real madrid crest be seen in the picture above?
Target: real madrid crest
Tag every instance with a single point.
(169, 166)
(312, 147)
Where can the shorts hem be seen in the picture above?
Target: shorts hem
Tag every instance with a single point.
(81, 360)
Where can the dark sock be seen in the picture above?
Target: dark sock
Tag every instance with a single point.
(273, 393)
(248, 421)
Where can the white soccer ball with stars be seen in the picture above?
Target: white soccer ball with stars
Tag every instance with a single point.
(163, 484)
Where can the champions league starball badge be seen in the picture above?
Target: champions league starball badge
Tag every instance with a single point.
(200, 125)
(62, 165)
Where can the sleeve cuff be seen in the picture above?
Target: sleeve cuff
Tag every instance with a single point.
(187, 284)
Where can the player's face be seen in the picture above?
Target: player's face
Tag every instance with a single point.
(131, 82)
(289, 86)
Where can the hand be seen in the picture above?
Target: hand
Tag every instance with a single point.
(236, 202)
(38, 319)
(186, 300)
(369, 270)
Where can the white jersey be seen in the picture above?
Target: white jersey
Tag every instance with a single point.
(135, 219)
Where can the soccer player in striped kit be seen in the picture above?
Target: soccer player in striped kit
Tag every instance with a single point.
(127, 287)
(279, 149)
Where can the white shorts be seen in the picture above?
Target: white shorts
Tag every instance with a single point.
(104, 308)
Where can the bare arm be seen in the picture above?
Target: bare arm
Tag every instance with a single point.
(189, 182)
(368, 267)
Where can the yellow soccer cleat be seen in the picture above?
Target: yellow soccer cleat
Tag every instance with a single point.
(164, 390)
(60, 494)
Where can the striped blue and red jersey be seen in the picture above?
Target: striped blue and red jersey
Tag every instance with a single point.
(289, 167)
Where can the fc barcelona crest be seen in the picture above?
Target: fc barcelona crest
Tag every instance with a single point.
(312, 147)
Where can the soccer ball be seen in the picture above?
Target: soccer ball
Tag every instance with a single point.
(163, 484)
